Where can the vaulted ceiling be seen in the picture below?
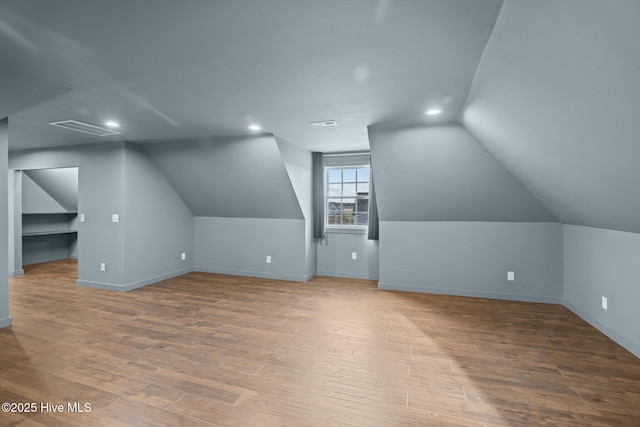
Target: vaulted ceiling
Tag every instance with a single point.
(167, 69)
(548, 88)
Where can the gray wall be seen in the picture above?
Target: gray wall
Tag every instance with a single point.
(5, 319)
(444, 174)
(334, 256)
(37, 200)
(555, 99)
(231, 177)
(15, 223)
(472, 258)
(298, 163)
(158, 226)
(599, 263)
(240, 246)
(100, 194)
(59, 183)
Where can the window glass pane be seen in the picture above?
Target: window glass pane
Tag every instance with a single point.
(349, 175)
(334, 211)
(362, 219)
(363, 189)
(363, 175)
(335, 175)
(349, 190)
(335, 190)
(348, 210)
(362, 205)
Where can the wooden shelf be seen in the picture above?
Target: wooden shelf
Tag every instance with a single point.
(48, 232)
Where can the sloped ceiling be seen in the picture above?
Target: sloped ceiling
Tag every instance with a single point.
(229, 177)
(444, 174)
(168, 69)
(556, 98)
(60, 183)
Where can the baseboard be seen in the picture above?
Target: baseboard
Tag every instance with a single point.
(347, 275)
(7, 321)
(134, 285)
(257, 274)
(623, 341)
(157, 279)
(100, 285)
(73, 257)
(468, 293)
(16, 272)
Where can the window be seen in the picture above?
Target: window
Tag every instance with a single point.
(347, 196)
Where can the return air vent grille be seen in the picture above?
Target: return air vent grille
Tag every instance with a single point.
(85, 127)
(325, 123)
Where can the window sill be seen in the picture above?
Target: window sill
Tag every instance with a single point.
(345, 230)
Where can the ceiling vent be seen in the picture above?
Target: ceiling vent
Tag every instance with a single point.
(85, 127)
(325, 123)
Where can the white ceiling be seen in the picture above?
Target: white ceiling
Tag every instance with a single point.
(171, 70)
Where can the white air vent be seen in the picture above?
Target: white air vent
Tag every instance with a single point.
(325, 123)
(85, 127)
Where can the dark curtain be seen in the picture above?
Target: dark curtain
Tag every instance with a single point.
(318, 196)
(374, 224)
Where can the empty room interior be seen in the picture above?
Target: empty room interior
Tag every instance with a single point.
(329, 213)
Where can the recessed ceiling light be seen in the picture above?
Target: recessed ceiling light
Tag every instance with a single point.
(433, 112)
(112, 124)
(254, 127)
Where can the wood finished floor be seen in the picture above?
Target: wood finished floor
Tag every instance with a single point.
(206, 349)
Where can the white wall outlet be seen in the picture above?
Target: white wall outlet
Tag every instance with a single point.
(354, 255)
(81, 217)
(183, 256)
(103, 266)
(268, 259)
(511, 276)
(115, 218)
(604, 303)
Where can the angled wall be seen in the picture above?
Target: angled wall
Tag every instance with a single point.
(454, 220)
(298, 163)
(61, 184)
(230, 177)
(248, 203)
(555, 100)
(36, 200)
(158, 226)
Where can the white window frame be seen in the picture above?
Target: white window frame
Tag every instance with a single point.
(344, 228)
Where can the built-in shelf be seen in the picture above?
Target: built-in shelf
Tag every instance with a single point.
(50, 213)
(47, 232)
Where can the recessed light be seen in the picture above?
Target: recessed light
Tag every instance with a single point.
(433, 112)
(254, 127)
(112, 124)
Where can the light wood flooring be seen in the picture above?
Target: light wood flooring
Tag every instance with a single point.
(207, 349)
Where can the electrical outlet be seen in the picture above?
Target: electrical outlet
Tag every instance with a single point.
(115, 218)
(354, 255)
(268, 259)
(183, 256)
(81, 217)
(103, 266)
(604, 303)
(511, 276)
